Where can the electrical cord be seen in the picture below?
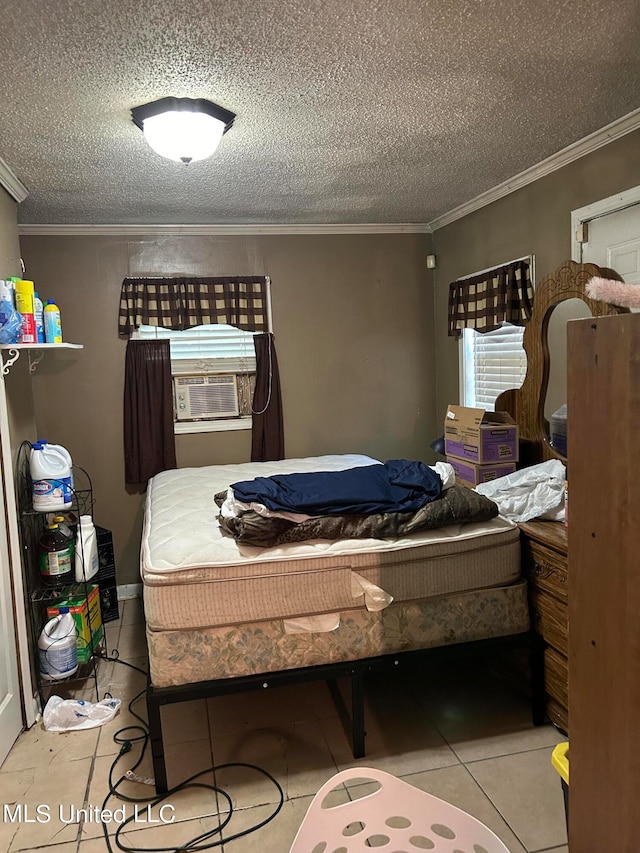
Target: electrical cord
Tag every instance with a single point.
(266, 405)
(141, 735)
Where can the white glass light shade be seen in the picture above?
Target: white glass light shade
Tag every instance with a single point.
(183, 136)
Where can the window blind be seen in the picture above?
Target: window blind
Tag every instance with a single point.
(213, 341)
(493, 362)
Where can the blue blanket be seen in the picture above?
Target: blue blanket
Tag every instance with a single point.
(396, 486)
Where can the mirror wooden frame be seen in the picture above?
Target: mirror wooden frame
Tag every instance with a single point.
(526, 404)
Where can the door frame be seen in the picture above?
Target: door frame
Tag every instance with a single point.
(30, 705)
(612, 204)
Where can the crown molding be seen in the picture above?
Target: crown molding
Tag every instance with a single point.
(590, 143)
(607, 134)
(11, 183)
(204, 230)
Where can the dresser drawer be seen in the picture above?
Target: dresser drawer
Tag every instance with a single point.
(550, 618)
(556, 676)
(558, 715)
(545, 569)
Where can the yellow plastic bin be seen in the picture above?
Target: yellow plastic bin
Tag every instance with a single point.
(560, 760)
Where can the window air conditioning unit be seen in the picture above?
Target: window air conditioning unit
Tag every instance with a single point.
(206, 397)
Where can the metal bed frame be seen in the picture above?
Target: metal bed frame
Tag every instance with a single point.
(354, 671)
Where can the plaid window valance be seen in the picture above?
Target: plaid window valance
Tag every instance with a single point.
(483, 302)
(181, 303)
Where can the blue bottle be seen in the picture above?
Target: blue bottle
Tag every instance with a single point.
(38, 313)
(52, 326)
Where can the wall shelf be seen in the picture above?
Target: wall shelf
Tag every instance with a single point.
(36, 353)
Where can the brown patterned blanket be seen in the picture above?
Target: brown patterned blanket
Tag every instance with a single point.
(457, 505)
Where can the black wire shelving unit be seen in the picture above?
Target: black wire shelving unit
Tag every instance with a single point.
(39, 597)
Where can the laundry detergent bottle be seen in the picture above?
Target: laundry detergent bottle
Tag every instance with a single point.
(58, 647)
(51, 479)
(63, 451)
(87, 562)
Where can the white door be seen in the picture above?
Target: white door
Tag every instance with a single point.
(614, 242)
(10, 707)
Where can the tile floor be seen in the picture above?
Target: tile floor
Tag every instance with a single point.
(459, 733)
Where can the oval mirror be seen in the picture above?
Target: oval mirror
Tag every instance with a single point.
(556, 396)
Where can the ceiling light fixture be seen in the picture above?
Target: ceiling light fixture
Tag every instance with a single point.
(183, 129)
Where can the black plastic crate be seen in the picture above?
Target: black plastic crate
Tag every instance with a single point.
(109, 600)
(107, 575)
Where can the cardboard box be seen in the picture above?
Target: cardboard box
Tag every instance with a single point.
(479, 436)
(471, 475)
(87, 617)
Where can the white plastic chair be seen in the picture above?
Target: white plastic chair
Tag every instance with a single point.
(396, 818)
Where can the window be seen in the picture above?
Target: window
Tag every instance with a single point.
(492, 362)
(213, 370)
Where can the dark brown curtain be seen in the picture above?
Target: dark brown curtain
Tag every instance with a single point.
(267, 438)
(181, 303)
(149, 442)
(483, 302)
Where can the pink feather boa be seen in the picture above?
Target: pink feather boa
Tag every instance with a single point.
(615, 292)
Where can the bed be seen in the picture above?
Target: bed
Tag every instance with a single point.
(222, 616)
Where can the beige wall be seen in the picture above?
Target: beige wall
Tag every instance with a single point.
(365, 361)
(534, 220)
(353, 319)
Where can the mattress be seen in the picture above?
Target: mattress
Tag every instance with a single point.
(195, 577)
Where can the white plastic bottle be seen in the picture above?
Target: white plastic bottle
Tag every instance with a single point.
(63, 451)
(87, 562)
(38, 313)
(50, 477)
(58, 647)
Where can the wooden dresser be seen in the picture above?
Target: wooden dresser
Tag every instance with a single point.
(544, 562)
(604, 536)
(544, 543)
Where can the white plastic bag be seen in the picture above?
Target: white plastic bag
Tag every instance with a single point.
(529, 493)
(64, 715)
(10, 319)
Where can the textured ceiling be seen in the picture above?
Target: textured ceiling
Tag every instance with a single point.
(348, 111)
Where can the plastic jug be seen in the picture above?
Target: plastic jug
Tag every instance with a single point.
(57, 647)
(52, 484)
(87, 562)
(60, 449)
(55, 557)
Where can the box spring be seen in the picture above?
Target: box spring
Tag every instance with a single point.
(192, 655)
